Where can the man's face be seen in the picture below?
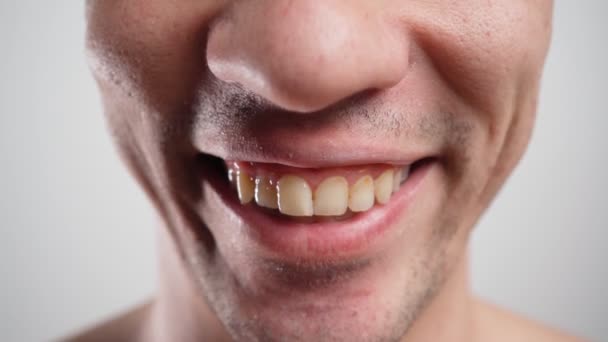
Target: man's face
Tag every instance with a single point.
(319, 108)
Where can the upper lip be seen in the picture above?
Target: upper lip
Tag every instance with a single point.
(333, 137)
(304, 158)
(318, 154)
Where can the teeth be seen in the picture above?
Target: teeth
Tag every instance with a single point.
(397, 180)
(231, 176)
(362, 194)
(405, 173)
(383, 186)
(245, 187)
(266, 193)
(331, 197)
(295, 196)
(292, 195)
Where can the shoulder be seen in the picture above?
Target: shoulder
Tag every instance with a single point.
(496, 324)
(125, 327)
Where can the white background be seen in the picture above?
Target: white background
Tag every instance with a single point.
(76, 233)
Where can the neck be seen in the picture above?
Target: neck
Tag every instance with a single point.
(180, 312)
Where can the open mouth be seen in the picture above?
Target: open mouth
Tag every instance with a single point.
(314, 211)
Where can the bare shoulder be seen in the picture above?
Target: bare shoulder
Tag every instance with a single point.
(496, 324)
(125, 327)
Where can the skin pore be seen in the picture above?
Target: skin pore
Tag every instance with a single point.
(451, 85)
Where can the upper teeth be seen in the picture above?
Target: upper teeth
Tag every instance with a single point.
(361, 194)
(266, 193)
(293, 196)
(245, 187)
(331, 197)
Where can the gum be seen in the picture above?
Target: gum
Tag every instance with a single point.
(313, 176)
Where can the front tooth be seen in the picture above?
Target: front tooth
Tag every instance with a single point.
(361, 196)
(331, 197)
(266, 193)
(295, 196)
(245, 187)
(383, 186)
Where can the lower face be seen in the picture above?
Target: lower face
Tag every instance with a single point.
(341, 224)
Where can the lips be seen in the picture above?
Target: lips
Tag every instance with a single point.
(315, 214)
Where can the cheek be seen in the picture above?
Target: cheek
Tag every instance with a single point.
(483, 49)
(153, 50)
(491, 58)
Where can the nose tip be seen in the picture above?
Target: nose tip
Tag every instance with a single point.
(306, 55)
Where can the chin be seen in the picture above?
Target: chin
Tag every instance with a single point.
(370, 301)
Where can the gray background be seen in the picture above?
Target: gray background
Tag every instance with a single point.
(77, 242)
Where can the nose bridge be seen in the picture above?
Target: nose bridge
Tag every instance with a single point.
(305, 55)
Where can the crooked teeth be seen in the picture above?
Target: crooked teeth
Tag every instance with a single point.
(245, 187)
(266, 193)
(361, 197)
(400, 176)
(331, 197)
(383, 186)
(295, 196)
(405, 174)
(231, 175)
(397, 179)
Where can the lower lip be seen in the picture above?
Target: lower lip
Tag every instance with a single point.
(354, 237)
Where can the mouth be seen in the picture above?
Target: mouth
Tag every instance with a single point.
(316, 213)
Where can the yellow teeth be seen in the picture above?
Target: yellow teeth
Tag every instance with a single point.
(383, 187)
(266, 193)
(295, 196)
(405, 173)
(245, 187)
(331, 197)
(231, 176)
(397, 179)
(361, 197)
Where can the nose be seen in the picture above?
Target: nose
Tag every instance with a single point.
(306, 55)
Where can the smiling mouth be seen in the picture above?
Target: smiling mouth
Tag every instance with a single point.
(313, 213)
(313, 195)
